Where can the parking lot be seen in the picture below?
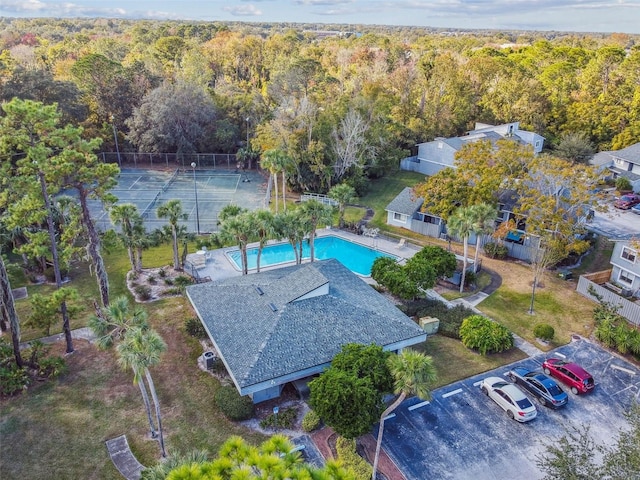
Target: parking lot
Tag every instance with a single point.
(462, 434)
(615, 224)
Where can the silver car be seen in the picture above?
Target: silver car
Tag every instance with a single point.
(510, 398)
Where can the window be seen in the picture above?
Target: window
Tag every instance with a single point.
(430, 219)
(537, 143)
(399, 217)
(440, 145)
(628, 254)
(626, 277)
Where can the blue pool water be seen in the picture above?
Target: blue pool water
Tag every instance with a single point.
(357, 258)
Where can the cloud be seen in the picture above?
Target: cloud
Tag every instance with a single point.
(243, 11)
(68, 9)
(322, 2)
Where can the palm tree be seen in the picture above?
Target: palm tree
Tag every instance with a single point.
(413, 374)
(269, 161)
(131, 224)
(343, 194)
(462, 224)
(111, 324)
(263, 221)
(485, 220)
(140, 349)
(290, 226)
(312, 214)
(242, 230)
(172, 210)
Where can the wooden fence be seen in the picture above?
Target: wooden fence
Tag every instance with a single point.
(595, 283)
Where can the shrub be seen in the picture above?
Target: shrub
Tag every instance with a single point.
(162, 273)
(351, 461)
(193, 326)
(12, 379)
(172, 291)
(544, 331)
(232, 404)
(143, 292)
(623, 184)
(311, 421)
(168, 281)
(480, 333)
(286, 418)
(450, 318)
(52, 367)
(182, 281)
(152, 280)
(495, 250)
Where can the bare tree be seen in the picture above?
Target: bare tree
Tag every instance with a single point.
(349, 143)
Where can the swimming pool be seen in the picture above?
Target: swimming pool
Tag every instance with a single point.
(357, 258)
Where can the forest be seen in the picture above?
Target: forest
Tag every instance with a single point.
(344, 103)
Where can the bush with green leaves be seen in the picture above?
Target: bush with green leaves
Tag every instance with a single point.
(450, 318)
(351, 461)
(193, 326)
(623, 184)
(614, 331)
(481, 334)
(311, 421)
(544, 331)
(495, 250)
(286, 418)
(143, 292)
(233, 405)
(182, 281)
(13, 379)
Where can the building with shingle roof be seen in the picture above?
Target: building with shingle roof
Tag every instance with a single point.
(440, 153)
(287, 324)
(621, 163)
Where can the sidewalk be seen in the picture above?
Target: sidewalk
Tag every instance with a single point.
(83, 333)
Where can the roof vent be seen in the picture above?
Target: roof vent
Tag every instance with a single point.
(273, 307)
(260, 291)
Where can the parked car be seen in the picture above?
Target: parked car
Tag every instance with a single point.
(625, 202)
(510, 398)
(546, 390)
(636, 209)
(569, 373)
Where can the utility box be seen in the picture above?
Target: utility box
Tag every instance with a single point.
(209, 360)
(430, 325)
(565, 274)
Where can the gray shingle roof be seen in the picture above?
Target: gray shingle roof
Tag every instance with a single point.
(630, 153)
(259, 344)
(405, 203)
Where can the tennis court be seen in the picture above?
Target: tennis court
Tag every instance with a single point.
(149, 189)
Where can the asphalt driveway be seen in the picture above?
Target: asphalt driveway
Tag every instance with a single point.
(462, 434)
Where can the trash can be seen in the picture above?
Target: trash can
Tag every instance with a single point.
(209, 359)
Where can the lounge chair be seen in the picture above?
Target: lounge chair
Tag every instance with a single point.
(401, 243)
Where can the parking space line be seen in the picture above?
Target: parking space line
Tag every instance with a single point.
(478, 383)
(561, 355)
(418, 405)
(453, 392)
(622, 369)
(389, 417)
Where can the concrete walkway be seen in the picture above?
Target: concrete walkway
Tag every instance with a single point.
(83, 333)
(123, 458)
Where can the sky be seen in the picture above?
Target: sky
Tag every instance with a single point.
(621, 16)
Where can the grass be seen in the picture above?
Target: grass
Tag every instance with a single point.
(96, 401)
(453, 361)
(556, 302)
(383, 190)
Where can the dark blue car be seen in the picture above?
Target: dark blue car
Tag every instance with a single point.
(545, 389)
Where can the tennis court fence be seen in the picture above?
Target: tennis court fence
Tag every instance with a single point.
(170, 160)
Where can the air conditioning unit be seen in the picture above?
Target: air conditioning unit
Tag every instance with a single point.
(626, 292)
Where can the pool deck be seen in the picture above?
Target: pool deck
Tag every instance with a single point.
(218, 267)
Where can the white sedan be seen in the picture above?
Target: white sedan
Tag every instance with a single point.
(510, 398)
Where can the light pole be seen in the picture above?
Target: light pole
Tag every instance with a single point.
(247, 120)
(195, 189)
(115, 137)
